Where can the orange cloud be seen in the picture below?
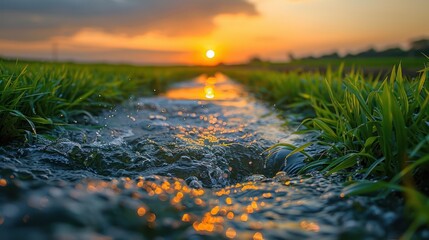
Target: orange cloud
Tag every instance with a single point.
(29, 20)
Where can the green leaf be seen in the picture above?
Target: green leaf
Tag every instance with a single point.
(18, 114)
(325, 128)
(372, 166)
(300, 149)
(344, 162)
(364, 187)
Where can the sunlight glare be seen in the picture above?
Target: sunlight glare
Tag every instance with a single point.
(210, 54)
(209, 91)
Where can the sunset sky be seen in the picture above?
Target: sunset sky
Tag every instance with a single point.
(181, 31)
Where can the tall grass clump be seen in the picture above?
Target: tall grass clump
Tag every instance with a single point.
(370, 128)
(36, 96)
(373, 126)
(376, 126)
(288, 90)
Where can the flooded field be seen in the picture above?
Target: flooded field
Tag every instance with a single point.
(189, 164)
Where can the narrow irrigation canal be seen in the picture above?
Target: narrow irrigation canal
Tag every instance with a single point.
(189, 164)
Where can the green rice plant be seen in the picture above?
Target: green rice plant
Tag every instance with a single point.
(371, 124)
(368, 124)
(370, 127)
(36, 96)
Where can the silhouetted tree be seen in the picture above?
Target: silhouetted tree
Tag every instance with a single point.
(421, 44)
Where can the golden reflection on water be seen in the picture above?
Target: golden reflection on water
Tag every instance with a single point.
(234, 206)
(209, 87)
(217, 87)
(3, 182)
(209, 91)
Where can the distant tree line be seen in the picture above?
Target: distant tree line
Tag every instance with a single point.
(417, 49)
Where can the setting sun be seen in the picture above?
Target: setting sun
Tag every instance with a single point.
(210, 54)
(180, 115)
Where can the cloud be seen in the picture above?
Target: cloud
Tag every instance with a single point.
(29, 20)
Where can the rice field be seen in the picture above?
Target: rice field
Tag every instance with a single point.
(374, 130)
(36, 96)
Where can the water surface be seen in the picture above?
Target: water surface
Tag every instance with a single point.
(189, 164)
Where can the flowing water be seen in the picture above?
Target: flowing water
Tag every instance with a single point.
(189, 164)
